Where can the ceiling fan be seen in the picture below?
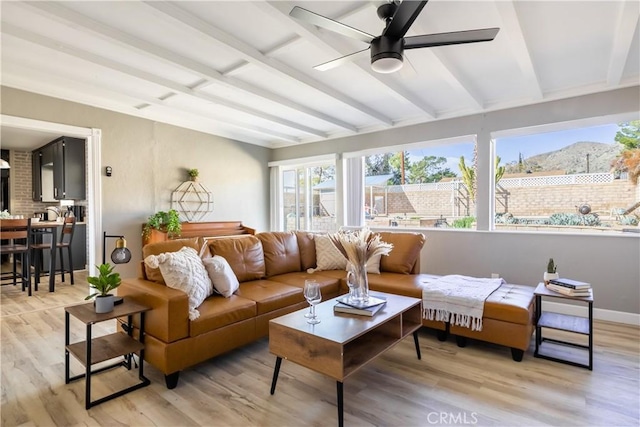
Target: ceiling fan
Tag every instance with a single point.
(387, 49)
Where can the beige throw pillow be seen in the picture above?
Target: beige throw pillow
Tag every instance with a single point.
(328, 257)
(373, 265)
(184, 270)
(224, 281)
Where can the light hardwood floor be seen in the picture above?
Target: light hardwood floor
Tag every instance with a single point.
(476, 385)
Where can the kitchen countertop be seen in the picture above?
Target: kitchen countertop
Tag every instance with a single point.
(50, 223)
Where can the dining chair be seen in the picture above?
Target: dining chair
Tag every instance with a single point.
(18, 234)
(64, 242)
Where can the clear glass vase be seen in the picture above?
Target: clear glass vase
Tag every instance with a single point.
(358, 283)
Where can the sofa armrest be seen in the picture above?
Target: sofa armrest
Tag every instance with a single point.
(168, 319)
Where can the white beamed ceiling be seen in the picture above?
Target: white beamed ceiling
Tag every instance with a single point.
(243, 69)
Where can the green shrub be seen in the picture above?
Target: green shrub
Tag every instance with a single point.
(628, 220)
(465, 222)
(590, 220)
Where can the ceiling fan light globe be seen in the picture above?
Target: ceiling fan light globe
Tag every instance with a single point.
(386, 65)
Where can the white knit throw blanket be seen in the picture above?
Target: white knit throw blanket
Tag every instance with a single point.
(457, 299)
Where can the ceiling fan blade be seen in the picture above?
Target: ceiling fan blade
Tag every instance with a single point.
(407, 12)
(329, 24)
(456, 37)
(339, 61)
(408, 71)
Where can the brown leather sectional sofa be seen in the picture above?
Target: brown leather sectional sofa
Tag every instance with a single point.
(271, 268)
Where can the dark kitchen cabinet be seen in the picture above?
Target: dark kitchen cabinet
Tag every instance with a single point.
(36, 176)
(62, 170)
(69, 180)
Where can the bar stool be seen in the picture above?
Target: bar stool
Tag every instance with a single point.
(13, 230)
(66, 238)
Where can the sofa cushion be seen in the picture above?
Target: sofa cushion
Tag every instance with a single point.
(270, 295)
(244, 254)
(281, 253)
(154, 274)
(328, 257)
(405, 252)
(184, 270)
(510, 303)
(409, 285)
(216, 312)
(307, 247)
(224, 281)
(329, 286)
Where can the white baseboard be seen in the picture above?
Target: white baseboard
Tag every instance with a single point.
(598, 313)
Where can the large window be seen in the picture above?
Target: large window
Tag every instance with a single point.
(555, 178)
(309, 197)
(429, 186)
(580, 179)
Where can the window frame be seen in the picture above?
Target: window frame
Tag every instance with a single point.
(277, 219)
(540, 129)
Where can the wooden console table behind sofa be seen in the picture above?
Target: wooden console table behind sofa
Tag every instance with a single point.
(202, 229)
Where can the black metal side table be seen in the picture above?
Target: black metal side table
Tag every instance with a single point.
(563, 322)
(101, 349)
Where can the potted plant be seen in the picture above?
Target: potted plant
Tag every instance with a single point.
(166, 222)
(552, 271)
(103, 283)
(193, 174)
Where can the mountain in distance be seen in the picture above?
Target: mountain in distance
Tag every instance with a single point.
(572, 159)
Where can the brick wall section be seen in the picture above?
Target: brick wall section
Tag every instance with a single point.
(21, 191)
(424, 203)
(519, 201)
(544, 201)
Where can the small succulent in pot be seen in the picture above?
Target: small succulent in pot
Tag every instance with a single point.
(552, 271)
(193, 174)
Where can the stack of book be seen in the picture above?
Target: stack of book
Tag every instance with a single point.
(373, 306)
(570, 287)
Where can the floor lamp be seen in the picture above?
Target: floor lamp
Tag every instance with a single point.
(120, 255)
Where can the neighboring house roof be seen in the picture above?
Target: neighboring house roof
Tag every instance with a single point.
(368, 182)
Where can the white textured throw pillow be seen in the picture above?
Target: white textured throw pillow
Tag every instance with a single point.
(184, 270)
(224, 280)
(328, 257)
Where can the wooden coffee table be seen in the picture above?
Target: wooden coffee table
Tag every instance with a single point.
(343, 343)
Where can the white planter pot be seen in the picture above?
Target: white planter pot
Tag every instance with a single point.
(549, 276)
(104, 304)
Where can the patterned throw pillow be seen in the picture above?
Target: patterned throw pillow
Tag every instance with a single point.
(224, 281)
(158, 248)
(184, 270)
(328, 257)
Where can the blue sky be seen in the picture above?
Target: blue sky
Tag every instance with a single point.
(509, 148)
